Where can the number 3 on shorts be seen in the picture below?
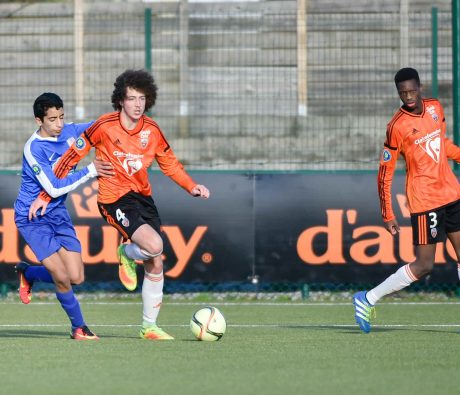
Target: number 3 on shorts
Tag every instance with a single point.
(433, 220)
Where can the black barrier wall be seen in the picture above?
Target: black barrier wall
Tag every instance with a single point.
(318, 227)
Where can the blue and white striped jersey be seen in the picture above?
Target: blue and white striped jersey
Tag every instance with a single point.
(39, 158)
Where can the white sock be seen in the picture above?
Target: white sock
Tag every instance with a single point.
(133, 251)
(152, 296)
(402, 278)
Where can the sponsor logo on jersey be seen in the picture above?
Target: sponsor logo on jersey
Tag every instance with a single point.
(431, 144)
(37, 169)
(432, 111)
(144, 136)
(80, 143)
(386, 155)
(132, 163)
(53, 158)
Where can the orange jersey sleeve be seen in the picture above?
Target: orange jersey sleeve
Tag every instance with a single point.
(170, 165)
(76, 152)
(421, 140)
(453, 151)
(388, 160)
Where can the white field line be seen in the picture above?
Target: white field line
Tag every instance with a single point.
(272, 326)
(250, 304)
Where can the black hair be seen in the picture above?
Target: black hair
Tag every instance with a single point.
(44, 102)
(139, 80)
(405, 74)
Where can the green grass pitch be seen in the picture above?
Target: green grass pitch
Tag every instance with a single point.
(269, 348)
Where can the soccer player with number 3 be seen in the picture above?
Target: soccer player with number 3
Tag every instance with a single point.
(418, 133)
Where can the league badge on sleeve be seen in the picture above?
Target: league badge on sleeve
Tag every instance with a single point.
(386, 155)
(80, 143)
(36, 169)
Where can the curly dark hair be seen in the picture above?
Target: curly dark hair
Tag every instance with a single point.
(139, 80)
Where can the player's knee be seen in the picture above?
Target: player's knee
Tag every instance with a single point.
(77, 280)
(154, 248)
(63, 283)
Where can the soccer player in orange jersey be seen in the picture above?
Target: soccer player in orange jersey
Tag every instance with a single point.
(417, 132)
(131, 141)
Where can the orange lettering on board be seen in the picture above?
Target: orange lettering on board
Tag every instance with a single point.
(383, 241)
(10, 237)
(450, 251)
(334, 249)
(183, 249)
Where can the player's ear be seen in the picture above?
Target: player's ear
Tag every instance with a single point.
(39, 121)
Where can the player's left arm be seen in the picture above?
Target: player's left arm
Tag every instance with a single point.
(171, 167)
(452, 150)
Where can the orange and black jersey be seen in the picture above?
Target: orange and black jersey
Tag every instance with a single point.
(421, 140)
(131, 153)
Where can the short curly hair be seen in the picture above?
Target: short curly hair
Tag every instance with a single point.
(139, 80)
(406, 74)
(44, 102)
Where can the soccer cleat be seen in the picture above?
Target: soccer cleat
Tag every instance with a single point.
(25, 287)
(126, 269)
(154, 333)
(83, 333)
(363, 311)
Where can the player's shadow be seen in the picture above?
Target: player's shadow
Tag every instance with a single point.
(357, 331)
(31, 333)
(28, 333)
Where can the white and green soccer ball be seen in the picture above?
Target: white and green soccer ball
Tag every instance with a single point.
(208, 324)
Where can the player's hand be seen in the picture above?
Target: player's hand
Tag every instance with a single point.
(200, 191)
(103, 168)
(36, 205)
(392, 226)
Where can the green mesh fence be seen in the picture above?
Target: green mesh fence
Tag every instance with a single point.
(254, 86)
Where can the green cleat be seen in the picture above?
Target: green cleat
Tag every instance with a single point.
(126, 269)
(154, 333)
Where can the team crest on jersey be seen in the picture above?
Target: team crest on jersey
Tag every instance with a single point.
(431, 144)
(434, 233)
(37, 169)
(386, 155)
(432, 111)
(80, 143)
(121, 216)
(144, 136)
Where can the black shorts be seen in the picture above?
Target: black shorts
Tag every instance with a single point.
(129, 212)
(433, 226)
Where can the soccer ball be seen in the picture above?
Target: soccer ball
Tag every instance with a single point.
(208, 324)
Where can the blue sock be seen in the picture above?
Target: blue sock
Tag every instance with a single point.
(38, 273)
(71, 306)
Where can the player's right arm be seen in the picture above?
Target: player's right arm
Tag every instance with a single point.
(43, 171)
(76, 152)
(387, 168)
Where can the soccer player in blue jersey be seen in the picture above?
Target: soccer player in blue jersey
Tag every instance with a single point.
(52, 238)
